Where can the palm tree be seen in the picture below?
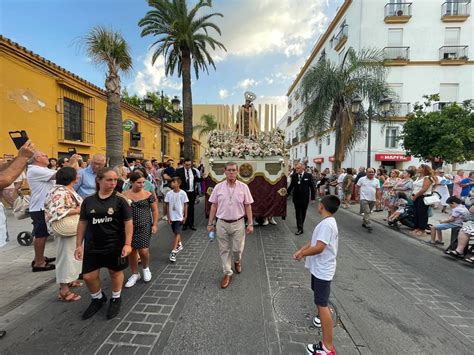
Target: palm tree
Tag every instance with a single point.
(107, 48)
(183, 39)
(328, 91)
(209, 123)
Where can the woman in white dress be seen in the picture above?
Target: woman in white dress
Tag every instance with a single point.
(441, 187)
(60, 202)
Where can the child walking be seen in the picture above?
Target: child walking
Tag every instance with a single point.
(177, 210)
(320, 259)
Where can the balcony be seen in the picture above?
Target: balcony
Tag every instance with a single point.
(438, 106)
(294, 140)
(455, 11)
(400, 109)
(398, 12)
(340, 39)
(453, 55)
(396, 55)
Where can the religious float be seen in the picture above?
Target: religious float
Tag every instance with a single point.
(251, 140)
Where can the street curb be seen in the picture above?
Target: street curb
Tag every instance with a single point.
(442, 248)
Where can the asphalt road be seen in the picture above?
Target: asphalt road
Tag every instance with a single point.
(393, 294)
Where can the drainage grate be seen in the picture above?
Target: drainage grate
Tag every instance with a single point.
(294, 305)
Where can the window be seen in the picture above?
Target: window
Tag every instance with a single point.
(391, 135)
(72, 120)
(328, 139)
(452, 35)
(397, 91)
(134, 134)
(395, 37)
(448, 92)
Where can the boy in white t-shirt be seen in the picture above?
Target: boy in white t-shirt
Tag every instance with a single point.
(177, 209)
(320, 259)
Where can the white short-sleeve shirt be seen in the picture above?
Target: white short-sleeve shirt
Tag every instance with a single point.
(368, 188)
(323, 265)
(39, 179)
(176, 201)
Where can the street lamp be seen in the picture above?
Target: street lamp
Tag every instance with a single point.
(162, 114)
(356, 104)
(384, 107)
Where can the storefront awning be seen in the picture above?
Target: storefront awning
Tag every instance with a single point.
(392, 157)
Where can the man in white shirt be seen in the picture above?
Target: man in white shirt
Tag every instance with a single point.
(41, 180)
(340, 180)
(367, 188)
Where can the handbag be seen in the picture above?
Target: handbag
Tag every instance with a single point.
(430, 200)
(21, 206)
(65, 227)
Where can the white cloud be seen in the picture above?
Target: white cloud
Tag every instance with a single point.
(247, 83)
(223, 94)
(152, 77)
(252, 28)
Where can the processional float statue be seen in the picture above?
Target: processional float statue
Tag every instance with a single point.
(250, 138)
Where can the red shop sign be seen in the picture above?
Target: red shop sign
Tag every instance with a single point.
(392, 157)
(318, 160)
(331, 159)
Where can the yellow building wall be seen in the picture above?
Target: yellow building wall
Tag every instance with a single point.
(31, 91)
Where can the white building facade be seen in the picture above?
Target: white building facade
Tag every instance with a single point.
(426, 44)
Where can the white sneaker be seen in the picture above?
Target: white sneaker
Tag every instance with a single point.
(265, 222)
(179, 248)
(132, 280)
(255, 223)
(317, 321)
(173, 256)
(146, 274)
(272, 221)
(164, 218)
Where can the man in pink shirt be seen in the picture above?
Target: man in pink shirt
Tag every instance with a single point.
(231, 202)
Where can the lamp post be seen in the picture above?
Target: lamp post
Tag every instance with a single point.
(384, 107)
(162, 114)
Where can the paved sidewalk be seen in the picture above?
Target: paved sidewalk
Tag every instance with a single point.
(378, 217)
(18, 281)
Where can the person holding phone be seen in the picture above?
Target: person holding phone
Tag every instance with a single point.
(107, 216)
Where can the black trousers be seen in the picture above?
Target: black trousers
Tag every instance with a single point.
(421, 213)
(300, 209)
(191, 203)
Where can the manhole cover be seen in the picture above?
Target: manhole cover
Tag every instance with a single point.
(294, 305)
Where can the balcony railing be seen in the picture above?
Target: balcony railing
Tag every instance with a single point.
(401, 109)
(402, 9)
(438, 106)
(453, 53)
(455, 10)
(341, 37)
(396, 53)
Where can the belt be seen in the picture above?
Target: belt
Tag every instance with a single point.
(231, 221)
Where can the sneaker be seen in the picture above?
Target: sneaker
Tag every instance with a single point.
(96, 304)
(265, 222)
(179, 248)
(132, 280)
(114, 307)
(317, 321)
(164, 218)
(146, 274)
(173, 256)
(272, 221)
(319, 350)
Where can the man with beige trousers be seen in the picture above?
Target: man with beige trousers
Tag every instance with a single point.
(231, 201)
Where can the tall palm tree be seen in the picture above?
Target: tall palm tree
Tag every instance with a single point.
(182, 37)
(107, 48)
(328, 90)
(208, 124)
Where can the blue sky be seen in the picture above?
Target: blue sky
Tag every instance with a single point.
(267, 42)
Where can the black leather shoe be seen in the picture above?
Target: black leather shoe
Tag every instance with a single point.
(193, 228)
(299, 232)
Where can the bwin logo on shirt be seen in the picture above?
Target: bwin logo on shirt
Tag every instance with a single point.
(101, 220)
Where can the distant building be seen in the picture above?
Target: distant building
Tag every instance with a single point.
(60, 110)
(426, 44)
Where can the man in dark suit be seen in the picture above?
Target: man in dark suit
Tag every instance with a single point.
(302, 186)
(189, 180)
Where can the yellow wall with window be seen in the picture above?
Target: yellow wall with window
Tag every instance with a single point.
(37, 95)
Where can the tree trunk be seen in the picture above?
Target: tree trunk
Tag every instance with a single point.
(187, 105)
(113, 121)
(339, 144)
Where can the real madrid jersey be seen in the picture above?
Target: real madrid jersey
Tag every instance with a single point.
(106, 219)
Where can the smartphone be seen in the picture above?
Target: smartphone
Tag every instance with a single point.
(19, 138)
(71, 151)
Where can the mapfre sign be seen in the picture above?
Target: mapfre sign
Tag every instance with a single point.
(392, 157)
